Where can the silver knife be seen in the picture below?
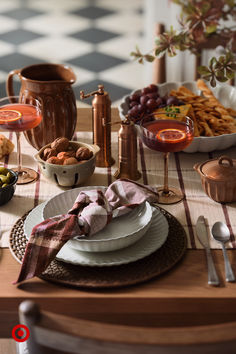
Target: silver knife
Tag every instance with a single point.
(203, 238)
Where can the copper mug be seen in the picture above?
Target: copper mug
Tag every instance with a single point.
(51, 85)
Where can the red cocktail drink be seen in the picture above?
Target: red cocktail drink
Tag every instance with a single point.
(168, 135)
(19, 117)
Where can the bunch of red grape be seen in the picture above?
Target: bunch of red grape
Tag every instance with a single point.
(144, 103)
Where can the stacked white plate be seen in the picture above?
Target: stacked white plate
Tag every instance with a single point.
(125, 239)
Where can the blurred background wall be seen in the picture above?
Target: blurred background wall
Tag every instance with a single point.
(94, 37)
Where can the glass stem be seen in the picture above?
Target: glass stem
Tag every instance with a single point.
(166, 160)
(19, 162)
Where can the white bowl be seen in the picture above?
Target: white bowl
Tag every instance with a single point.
(226, 94)
(121, 232)
(62, 202)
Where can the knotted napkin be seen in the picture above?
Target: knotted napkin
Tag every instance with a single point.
(91, 212)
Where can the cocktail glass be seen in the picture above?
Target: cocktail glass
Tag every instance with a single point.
(167, 135)
(17, 116)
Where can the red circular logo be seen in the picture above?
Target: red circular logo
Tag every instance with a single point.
(20, 333)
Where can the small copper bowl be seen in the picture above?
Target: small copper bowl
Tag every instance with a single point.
(218, 178)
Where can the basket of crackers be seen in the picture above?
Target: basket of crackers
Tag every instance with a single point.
(213, 110)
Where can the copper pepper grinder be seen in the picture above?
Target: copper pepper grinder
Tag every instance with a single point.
(127, 141)
(101, 115)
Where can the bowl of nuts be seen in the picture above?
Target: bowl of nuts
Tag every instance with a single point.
(67, 163)
(8, 179)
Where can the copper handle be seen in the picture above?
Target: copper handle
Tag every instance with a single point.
(9, 83)
(104, 123)
(197, 166)
(222, 158)
(100, 91)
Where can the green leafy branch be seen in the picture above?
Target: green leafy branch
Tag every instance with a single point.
(200, 20)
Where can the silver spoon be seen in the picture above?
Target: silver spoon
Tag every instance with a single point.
(221, 233)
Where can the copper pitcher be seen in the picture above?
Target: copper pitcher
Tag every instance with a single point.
(51, 85)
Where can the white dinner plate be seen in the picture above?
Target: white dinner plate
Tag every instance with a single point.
(149, 243)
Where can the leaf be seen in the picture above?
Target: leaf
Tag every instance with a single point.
(189, 8)
(231, 3)
(232, 66)
(212, 62)
(222, 79)
(138, 50)
(149, 58)
(176, 2)
(230, 74)
(134, 54)
(203, 70)
(221, 59)
(213, 81)
(171, 52)
(157, 41)
(205, 7)
(211, 29)
(220, 76)
(207, 77)
(229, 56)
(219, 66)
(159, 51)
(140, 61)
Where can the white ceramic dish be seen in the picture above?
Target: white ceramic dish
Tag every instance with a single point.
(68, 175)
(149, 243)
(226, 95)
(62, 202)
(119, 233)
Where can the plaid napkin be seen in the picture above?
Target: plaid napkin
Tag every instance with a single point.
(91, 212)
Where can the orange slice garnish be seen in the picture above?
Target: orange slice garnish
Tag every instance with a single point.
(171, 135)
(9, 115)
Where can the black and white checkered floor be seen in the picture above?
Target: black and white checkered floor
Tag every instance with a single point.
(94, 37)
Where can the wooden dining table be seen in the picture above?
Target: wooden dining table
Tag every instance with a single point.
(180, 296)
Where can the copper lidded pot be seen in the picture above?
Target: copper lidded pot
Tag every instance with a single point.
(218, 177)
(51, 85)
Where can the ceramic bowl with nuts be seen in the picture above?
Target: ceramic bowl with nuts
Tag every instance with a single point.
(67, 163)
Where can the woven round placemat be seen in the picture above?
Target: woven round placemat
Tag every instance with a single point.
(110, 277)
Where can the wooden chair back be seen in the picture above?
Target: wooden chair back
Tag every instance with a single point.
(159, 66)
(51, 333)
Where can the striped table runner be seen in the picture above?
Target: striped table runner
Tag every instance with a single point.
(150, 163)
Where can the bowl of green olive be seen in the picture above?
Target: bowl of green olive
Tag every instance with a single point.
(8, 179)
